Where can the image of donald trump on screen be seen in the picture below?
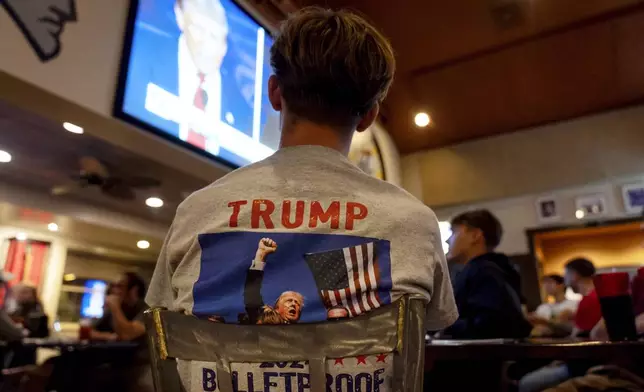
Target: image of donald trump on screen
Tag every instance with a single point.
(201, 51)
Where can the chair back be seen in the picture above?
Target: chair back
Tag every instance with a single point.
(397, 329)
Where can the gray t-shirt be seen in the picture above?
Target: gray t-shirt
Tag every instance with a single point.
(303, 236)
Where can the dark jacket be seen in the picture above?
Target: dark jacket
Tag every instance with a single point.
(253, 297)
(488, 296)
(33, 319)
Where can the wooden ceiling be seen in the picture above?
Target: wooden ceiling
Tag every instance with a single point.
(46, 156)
(486, 67)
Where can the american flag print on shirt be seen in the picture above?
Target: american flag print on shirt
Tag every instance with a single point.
(349, 277)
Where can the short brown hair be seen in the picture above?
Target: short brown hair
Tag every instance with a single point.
(484, 221)
(332, 66)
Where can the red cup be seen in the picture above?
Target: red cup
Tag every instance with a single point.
(638, 291)
(616, 303)
(612, 284)
(85, 330)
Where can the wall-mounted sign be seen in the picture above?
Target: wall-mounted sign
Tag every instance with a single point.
(590, 206)
(633, 195)
(547, 210)
(365, 154)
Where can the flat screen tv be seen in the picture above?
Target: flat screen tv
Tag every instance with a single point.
(195, 72)
(93, 299)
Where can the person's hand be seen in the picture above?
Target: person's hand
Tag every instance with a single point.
(113, 301)
(536, 320)
(265, 247)
(540, 331)
(599, 331)
(18, 320)
(639, 323)
(566, 316)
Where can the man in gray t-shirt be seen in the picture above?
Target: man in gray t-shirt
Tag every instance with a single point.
(304, 235)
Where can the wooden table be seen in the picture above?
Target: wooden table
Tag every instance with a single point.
(510, 350)
(69, 345)
(468, 365)
(77, 358)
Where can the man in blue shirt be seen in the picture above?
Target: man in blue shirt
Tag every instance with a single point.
(488, 288)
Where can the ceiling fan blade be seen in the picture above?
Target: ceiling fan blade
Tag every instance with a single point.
(60, 190)
(93, 166)
(117, 188)
(142, 182)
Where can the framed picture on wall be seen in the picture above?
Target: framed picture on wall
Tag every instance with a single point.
(547, 209)
(365, 153)
(633, 195)
(590, 206)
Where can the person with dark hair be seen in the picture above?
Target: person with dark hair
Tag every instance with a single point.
(488, 288)
(123, 318)
(29, 311)
(554, 318)
(579, 276)
(9, 330)
(579, 273)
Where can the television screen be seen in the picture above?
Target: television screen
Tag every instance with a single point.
(196, 72)
(93, 299)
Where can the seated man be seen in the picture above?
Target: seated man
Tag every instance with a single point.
(306, 236)
(556, 318)
(9, 330)
(29, 311)
(488, 288)
(105, 370)
(122, 319)
(578, 276)
(615, 378)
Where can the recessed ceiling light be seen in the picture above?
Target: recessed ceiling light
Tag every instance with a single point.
(73, 128)
(422, 119)
(154, 202)
(5, 157)
(580, 214)
(69, 277)
(52, 226)
(143, 244)
(21, 236)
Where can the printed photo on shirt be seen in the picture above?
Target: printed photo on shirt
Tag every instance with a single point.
(286, 278)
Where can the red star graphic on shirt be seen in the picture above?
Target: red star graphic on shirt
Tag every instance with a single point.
(338, 361)
(381, 358)
(362, 359)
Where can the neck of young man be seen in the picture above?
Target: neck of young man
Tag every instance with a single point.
(586, 286)
(298, 132)
(475, 252)
(560, 297)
